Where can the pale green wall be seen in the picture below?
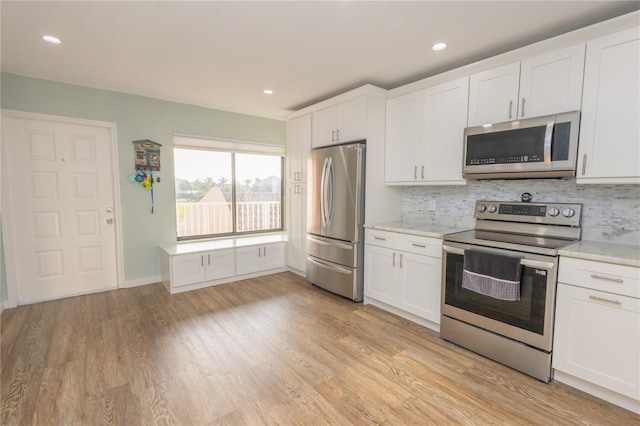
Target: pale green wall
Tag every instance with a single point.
(136, 118)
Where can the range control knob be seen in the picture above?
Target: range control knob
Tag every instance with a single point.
(482, 208)
(554, 211)
(492, 208)
(568, 212)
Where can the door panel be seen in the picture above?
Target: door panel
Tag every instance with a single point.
(314, 170)
(344, 218)
(64, 238)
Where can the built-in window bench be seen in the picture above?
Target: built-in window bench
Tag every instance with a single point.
(194, 265)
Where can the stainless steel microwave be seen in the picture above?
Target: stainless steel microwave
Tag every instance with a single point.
(540, 147)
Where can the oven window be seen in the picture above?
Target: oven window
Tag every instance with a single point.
(526, 313)
(513, 146)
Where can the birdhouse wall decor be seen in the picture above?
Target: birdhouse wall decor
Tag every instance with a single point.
(147, 155)
(147, 161)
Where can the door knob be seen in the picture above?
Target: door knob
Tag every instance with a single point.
(109, 209)
(109, 221)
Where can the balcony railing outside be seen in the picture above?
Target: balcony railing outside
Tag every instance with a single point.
(215, 218)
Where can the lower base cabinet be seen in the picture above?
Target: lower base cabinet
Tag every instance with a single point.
(404, 271)
(191, 266)
(597, 329)
(259, 258)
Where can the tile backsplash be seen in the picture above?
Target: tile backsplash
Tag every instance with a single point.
(610, 212)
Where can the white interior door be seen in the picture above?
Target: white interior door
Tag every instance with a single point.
(61, 204)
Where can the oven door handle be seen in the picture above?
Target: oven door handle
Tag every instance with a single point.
(524, 262)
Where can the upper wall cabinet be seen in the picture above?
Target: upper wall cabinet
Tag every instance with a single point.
(345, 122)
(545, 84)
(298, 145)
(424, 135)
(609, 150)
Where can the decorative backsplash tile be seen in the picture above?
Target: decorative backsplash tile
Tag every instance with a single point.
(610, 212)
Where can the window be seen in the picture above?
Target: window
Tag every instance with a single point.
(226, 188)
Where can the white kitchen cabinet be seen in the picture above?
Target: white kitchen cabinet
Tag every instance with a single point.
(297, 228)
(344, 122)
(597, 329)
(194, 265)
(545, 84)
(403, 138)
(404, 271)
(609, 150)
(298, 145)
(199, 267)
(259, 258)
(425, 132)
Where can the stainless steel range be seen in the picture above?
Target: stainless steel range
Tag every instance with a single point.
(499, 282)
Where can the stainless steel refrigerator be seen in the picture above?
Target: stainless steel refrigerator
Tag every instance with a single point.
(335, 219)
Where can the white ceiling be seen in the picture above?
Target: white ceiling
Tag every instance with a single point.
(222, 55)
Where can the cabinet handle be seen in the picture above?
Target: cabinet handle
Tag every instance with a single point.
(394, 260)
(422, 172)
(333, 136)
(418, 245)
(401, 261)
(202, 260)
(380, 238)
(584, 164)
(602, 277)
(265, 251)
(337, 135)
(259, 252)
(415, 172)
(510, 109)
(600, 299)
(522, 109)
(208, 259)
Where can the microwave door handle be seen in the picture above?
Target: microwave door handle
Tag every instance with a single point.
(548, 136)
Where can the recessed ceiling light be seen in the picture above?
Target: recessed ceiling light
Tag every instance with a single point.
(268, 92)
(439, 46)
(51, 39)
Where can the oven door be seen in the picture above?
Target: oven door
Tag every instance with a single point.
(528, 320)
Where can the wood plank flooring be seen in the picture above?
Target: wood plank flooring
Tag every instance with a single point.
(270, 350)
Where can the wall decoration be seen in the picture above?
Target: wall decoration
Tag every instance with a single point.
(147, 160)
(147, 155)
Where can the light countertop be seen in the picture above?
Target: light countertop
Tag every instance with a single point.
(223, 243)
(621, 254)
(432, 230)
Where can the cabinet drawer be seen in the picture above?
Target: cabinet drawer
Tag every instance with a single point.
(422, 245)
(382, 239)
(617, 279)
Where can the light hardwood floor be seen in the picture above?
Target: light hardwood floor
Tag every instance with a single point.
(270, 350)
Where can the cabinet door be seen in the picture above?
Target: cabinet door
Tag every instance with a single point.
(304, 144)
(325, 123)
(609, 151)
(381, 274)
(298, 145)
(187, 269)
(293, 149)
(220, 264)
(444, 119)
(297, 226)
(248, 259)
(552, 83)
(596, 340)
(352, 120)
(493, 95)
(273, 256)
(419, 285)
(403, 133)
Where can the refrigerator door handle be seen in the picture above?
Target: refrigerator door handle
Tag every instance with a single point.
(329, 266)
(329, 190)
(322, 192)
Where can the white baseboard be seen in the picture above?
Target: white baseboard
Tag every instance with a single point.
(402, 313)
(142, 281)
(597, 391)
